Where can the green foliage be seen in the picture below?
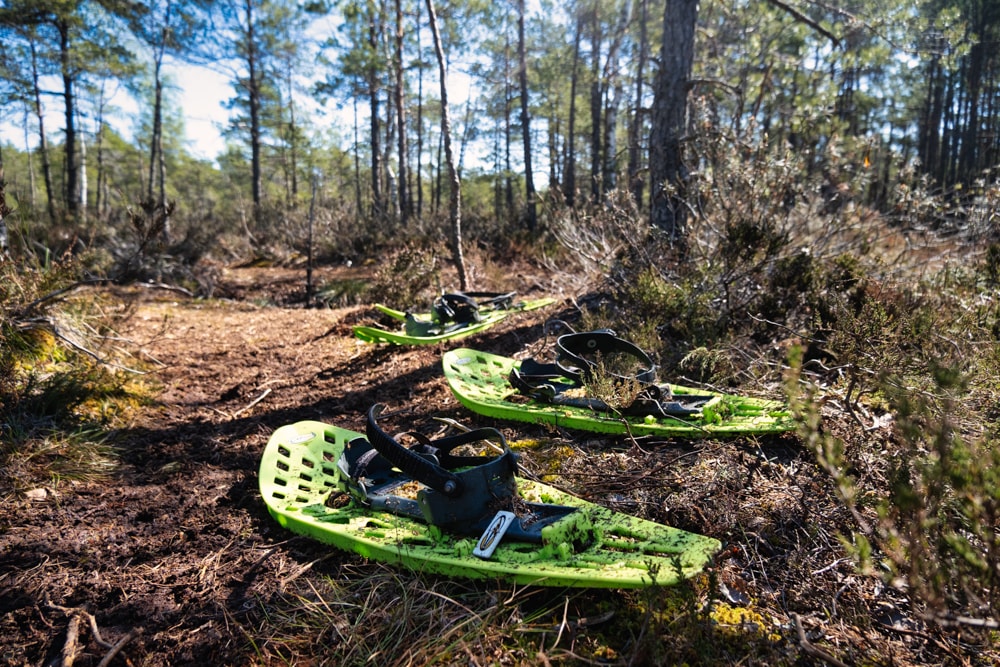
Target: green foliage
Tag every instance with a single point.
(53, 393)
(934, 528)
(345, 292)
(419, 264)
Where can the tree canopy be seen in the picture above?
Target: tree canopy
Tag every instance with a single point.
(566, 101)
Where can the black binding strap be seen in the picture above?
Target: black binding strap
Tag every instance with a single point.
(457, 310)
(579, 358)
(462, 493)
(465, 307)
(420, 468)
(580, 354)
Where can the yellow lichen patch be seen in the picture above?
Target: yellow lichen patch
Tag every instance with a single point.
(39, 340)
(741, 621)
(549, 459)
(527, 443)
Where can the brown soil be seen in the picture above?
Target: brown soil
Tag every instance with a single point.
(174, 555)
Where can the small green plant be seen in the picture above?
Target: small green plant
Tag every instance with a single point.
(612, 382)
(408, 277)
(343, 292)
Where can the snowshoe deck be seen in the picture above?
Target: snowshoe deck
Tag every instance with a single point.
(304, 490)
(371, 334)
(480, 382)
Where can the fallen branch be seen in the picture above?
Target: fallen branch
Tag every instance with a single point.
(72, 645)
(118, 646)
(812, 649)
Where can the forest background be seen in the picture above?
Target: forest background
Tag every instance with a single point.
(884, 91)
(795, 194)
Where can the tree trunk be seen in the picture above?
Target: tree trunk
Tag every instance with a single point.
(668, 208)
(83, 180)
(508, 96)
(404, 177)
(945, 166)
(293, 140)
(43, 146)
(569, 172)
(596, 96)
(553, 146)
(466, 132)
(636, 183)
(418, 185)
(157, 165)
(99, 203)
(498, 181)
(609, 168)
(531, 213)
(32, 179)
(455, 202)
(437, 175)
(378, 205)
(970, 159)
(358, 207)
(254, 99)
(154, 141)
(69, 100)
(4, 211)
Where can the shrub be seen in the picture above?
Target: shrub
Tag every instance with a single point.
(53, 388)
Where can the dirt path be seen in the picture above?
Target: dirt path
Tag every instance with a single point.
(170, 554)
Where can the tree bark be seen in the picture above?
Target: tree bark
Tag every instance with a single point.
(378, 205)
(666, 165)
(69, 101)
(293, 142)
(4, 211)
(254, 100)
(569, 171)
(43, 146)
(418, 185)
(596, 97)
(455, 200)
(609, 168)
(405, 208)
(636, 183)
(358, 207)
(531, 212)
(99, 203)
(507, 99)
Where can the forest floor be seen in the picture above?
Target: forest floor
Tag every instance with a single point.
(174, 559)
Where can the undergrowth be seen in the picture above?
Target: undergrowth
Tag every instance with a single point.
(886, 340)
(58, 395)
(377, 613)
(870, 536)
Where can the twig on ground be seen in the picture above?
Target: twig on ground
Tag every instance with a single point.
(251, 403)
(118, 646)
(812, 649)
(72, 645)
(299, 571)
(168, 288)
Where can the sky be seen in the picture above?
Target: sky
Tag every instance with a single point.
(200, 96)
(200, 99)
